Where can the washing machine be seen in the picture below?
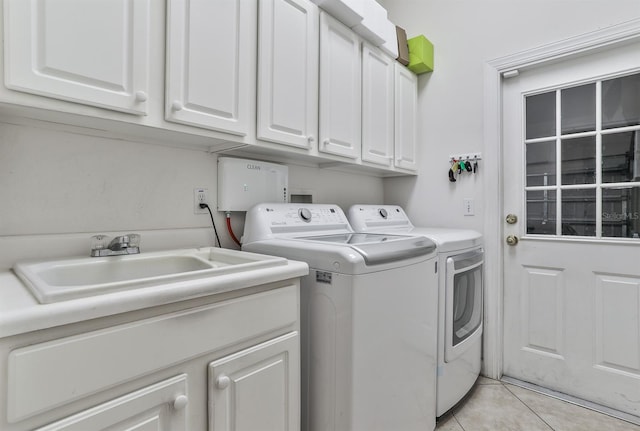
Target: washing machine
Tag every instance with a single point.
(368, 348)
(460, 298)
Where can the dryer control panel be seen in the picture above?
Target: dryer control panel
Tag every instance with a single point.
(364, 217)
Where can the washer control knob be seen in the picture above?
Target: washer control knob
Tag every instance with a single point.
(305, 214)
(383, 213)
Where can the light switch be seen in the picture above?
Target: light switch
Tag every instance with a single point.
(468, 207)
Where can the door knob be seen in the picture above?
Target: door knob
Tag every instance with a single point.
(512, 240)
(512, 218)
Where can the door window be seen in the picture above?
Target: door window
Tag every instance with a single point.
(582, 151)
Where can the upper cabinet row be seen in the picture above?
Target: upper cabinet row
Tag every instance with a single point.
(275, 75)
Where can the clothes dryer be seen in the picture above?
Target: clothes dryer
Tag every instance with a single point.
(460, 299)
(368, 347)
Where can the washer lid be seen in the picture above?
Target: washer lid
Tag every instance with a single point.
(377, 248)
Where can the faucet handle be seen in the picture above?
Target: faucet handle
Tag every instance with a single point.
(98, 242)
(99, 245)
(134, 240)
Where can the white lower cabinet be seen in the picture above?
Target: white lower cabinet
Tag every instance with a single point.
(254, 389)
(232, 364)
(162, 406)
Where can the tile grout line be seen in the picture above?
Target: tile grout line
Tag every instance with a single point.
(463, 400)
(457, 421)
(527, 406)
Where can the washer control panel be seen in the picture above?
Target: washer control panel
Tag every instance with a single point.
(282, 218)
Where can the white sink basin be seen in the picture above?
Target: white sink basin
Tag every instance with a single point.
(60, 280)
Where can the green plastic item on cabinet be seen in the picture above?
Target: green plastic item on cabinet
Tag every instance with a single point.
(420, 55)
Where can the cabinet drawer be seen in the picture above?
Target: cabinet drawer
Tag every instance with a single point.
(158, 407)
(47, 375)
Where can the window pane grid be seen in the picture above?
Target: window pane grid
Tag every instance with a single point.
(620, 130)
(558, 202)
(592, 188)
(598, 159)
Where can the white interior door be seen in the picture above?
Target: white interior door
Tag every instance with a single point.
(572, 177)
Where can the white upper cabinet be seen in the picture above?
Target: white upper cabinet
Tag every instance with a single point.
(90, 52)
(377, 106)
(288, 72)
(406, 118)
(340, 89)
(211, 58)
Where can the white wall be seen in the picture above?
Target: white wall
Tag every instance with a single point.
(466, 34)
(59, 187)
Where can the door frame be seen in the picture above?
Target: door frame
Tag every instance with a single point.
(494, 71)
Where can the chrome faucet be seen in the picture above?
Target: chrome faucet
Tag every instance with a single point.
(120, 245)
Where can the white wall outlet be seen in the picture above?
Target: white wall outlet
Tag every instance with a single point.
(468, 207)
(200, 196)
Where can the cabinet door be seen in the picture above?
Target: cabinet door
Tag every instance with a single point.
(377, 106)
(211, 57)
(162, 406)
(406, 118)
(257, 388)
(288, 72)
(340, 89)
(91, 52)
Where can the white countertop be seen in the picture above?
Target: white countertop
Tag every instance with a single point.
(20, 312)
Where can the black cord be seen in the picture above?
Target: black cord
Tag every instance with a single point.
(213, 223)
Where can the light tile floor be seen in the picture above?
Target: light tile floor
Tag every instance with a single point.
(498, 406)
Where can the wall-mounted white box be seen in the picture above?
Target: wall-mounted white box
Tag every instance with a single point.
(243, 183)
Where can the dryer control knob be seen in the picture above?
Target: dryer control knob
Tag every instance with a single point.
(305, 214)
(383, 213)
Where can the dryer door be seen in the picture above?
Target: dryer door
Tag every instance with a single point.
(463, 303)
